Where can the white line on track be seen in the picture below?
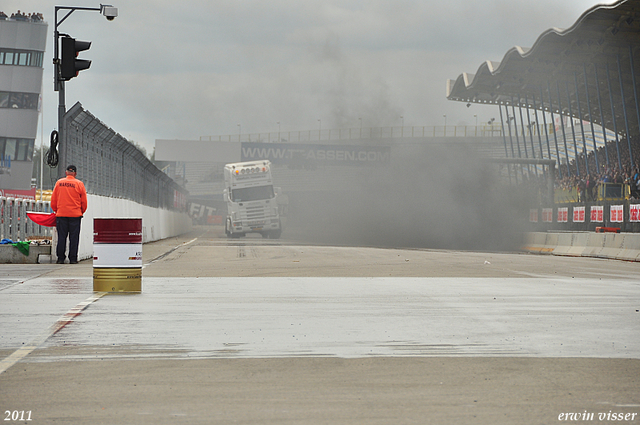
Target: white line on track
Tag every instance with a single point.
(169, 252)
(63, 321)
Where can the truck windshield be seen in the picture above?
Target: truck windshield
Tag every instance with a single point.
(255, 193)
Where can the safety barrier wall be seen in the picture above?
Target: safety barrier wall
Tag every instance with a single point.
(623, 214)
(618, 246)
(157, 223)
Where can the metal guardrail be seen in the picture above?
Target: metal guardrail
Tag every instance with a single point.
(14, 223)
(320, 135)
(405, 132)
(109, 165)
(603, 192)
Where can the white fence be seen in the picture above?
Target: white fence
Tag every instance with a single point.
(14, 223)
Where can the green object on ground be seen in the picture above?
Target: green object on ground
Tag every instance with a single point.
(23, 247)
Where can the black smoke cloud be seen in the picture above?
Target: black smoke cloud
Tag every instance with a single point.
(430, 196)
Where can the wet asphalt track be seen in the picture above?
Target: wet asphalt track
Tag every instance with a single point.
(205, 298)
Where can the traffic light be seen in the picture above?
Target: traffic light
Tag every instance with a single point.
(70, 64)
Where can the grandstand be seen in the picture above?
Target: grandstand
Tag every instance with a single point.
(587, 74)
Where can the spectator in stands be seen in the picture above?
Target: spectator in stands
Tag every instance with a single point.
(591, 188)
(582, 190)
(69, 201)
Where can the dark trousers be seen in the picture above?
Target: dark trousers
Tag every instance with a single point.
(68, 227)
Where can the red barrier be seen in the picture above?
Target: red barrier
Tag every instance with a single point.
(607, 230)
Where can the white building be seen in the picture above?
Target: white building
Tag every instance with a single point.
(22, 45)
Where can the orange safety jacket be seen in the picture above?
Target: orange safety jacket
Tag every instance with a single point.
(69, 198)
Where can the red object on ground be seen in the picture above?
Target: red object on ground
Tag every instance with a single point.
(607, 230)
(43, 219)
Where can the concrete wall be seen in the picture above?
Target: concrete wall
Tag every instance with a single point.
(156, 223)
(617, 246)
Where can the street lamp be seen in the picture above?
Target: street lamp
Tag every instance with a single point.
(360, 127)
(445, 125)
(279, 140)
(319, 129)
(110, 13)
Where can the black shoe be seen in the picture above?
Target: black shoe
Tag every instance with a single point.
(73, 261)
(60, 262)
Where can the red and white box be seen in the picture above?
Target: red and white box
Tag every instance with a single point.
(563, 215)
(634, 213)
(617, 213)
(578, 214)
(597, 213)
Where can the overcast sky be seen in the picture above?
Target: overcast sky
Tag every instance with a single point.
(182, 70)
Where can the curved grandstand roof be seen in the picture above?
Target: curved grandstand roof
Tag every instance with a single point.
(601, 48)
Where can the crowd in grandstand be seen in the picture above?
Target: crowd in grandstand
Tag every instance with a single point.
(20, 16)
(609, 171)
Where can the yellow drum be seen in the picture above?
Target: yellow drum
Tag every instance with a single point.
(115, 279)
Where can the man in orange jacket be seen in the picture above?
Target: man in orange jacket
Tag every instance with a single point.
(69, 201)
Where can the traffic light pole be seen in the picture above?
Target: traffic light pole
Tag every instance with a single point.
(58, 81)
(62, 145)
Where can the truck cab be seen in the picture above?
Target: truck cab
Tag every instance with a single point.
(251, 200)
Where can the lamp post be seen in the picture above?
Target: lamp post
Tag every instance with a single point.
(319, 129)
(239, 132)
(279, 140)
(110, 13)
(445, 125)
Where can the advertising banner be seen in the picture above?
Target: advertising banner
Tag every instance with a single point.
(29, 194)
(634, 213)
(617, 213)
(306, 155)
(207, 211)
(533, 215)
(547, 215)
(179, 200)
(578, 214)
(597, 213)
(563, 215)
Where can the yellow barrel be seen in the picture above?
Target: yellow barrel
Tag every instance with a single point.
(114, 279)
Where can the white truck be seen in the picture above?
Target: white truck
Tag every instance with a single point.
(251, 200)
